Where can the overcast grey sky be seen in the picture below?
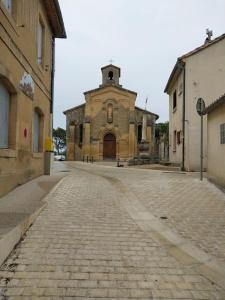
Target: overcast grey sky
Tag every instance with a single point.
(143, 37)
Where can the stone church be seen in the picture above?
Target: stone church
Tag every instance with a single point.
(108, 125)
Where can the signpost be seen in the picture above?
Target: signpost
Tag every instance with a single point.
(200, 107)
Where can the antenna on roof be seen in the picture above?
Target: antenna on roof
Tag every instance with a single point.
(209, 35)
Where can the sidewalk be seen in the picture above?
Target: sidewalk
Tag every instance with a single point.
(19, 208)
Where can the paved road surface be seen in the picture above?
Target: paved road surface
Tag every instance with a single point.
(94, 239)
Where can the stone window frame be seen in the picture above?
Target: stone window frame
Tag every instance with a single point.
(41, 60)
(40, 149)
(8, 82)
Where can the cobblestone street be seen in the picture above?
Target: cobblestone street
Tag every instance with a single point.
(122, 233)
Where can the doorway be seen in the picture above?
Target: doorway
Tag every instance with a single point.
(109, 146)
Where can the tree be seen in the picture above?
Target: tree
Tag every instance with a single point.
(59, 139)
(162, 129)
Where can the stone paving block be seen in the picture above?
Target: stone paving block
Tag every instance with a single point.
(86, 245)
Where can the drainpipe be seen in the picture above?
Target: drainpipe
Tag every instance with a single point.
(181, 65)
(52, 80)
(48, 143)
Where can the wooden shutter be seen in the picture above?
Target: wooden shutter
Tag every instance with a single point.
(4, 117)
(36, 132)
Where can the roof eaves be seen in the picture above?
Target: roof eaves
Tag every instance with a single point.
(215, 104)
(115, 86)
(204, 46)
(175, 73)
(55, 18)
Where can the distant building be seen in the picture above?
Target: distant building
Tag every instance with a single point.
(199, 73)
(27, 33)
(216, 141)
(108, 125)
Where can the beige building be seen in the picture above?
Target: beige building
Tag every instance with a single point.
(27, 33)
(108, 125)
(197, 74)
(216, 141)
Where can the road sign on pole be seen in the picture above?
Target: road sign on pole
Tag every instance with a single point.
(200, 107)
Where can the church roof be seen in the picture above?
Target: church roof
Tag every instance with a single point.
(149, 112)
(73, 108)
(177, 68)
(110, 85)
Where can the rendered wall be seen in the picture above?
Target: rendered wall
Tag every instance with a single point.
(216, 150)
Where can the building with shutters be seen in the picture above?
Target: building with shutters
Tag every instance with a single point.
(108, 125)
(27, 39)
(199, 73)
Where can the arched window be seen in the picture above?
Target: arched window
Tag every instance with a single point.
(81, 133)
(4, 117)
(139, 133)
(110, 113)
(110, 75)
(38, 134)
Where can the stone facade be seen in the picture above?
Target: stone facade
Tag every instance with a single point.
(197, 74)
(106, 125)
(27, 29)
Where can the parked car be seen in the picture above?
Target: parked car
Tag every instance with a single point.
(59, 157)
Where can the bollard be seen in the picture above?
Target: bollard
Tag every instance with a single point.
(83, 158)
(92, 159)
(87, 159)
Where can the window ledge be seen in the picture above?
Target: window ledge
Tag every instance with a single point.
(38, 154)
(8, 153)
(175, 109)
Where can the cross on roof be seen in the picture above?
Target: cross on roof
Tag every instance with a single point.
(111, 61)
(209, 33)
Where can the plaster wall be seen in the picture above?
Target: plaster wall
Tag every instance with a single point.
(216, 150)
(205, 78)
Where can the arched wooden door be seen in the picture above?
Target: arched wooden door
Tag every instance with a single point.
(109, 146)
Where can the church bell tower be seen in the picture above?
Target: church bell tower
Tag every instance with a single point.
(110, 76)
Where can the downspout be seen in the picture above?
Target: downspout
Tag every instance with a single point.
(52, 84)
(182, 66)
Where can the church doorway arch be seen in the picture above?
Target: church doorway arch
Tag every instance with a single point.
(109, 146)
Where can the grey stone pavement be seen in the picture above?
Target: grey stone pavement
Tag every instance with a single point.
(122, 233)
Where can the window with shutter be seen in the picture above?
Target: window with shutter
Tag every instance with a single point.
(36, 147)
(4, 117)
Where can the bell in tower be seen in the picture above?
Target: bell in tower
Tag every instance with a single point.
(110, 75)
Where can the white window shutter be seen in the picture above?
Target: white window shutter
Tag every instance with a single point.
(4, 117)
